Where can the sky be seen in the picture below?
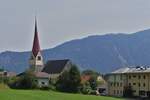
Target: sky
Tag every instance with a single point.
(64, 20)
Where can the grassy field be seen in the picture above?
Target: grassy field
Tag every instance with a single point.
(3, 86)
(8, 94)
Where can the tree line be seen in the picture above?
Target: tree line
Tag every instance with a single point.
(69, 81)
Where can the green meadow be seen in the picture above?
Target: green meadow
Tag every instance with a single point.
(9, 94)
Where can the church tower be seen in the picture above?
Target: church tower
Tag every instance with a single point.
(36, 59)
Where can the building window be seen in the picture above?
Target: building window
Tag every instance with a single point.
(139, 77)
(129, 84)
(144, 76)
(134, 83)
(134, 76)
(39, 58)
(117, 84)
(36, 81)
(111, 83)
(129, 77)
(139, 84)
(117, 91)
(114, 84)
(43, 83)
(114, 92)
(143, 84)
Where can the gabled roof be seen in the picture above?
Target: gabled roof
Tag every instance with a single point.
(36, 44)
(55, 66)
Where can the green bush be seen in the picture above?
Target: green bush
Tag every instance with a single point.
(86, 88)
(4, 80)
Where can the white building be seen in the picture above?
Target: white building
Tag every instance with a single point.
(42, 79)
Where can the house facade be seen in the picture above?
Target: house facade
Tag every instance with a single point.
(138, 78)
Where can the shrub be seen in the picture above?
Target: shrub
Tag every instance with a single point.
(25, 81)
(86, 88)
(45, 88)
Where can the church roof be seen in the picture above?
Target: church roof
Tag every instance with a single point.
(41, 75)
(37, 74)
(55, 66)
(36, 45)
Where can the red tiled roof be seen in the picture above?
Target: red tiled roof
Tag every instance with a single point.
(36, 45)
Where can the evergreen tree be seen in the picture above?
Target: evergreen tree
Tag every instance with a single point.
(69, 81)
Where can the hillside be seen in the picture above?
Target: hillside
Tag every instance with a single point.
(103, 53)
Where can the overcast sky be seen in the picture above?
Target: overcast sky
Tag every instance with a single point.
(63, 20)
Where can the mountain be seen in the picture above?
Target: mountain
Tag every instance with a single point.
(103, 53)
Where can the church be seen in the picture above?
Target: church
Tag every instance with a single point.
(45, 72)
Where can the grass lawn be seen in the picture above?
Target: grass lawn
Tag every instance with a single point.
(9, 94)
(3, 86)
